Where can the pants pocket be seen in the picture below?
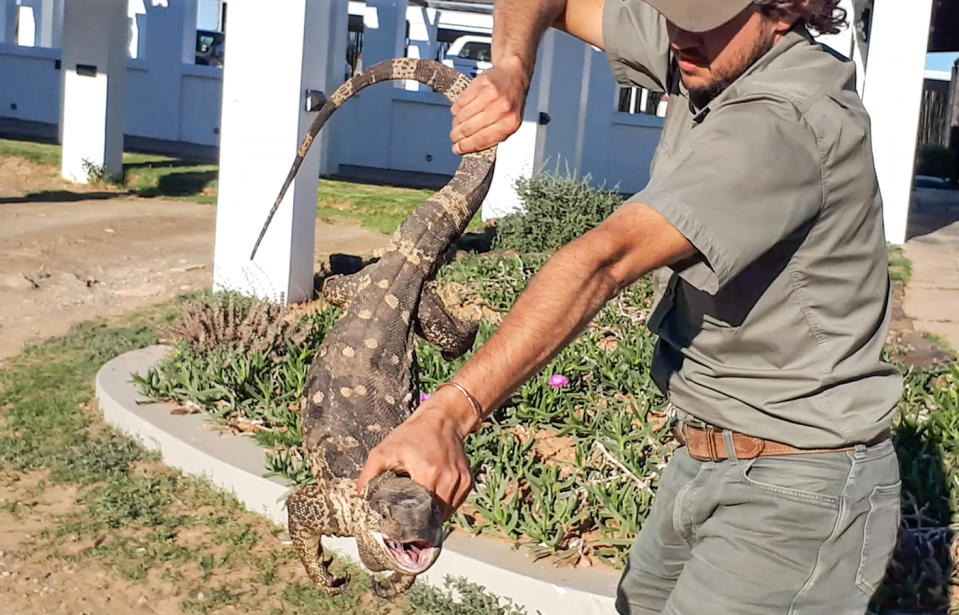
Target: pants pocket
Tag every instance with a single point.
(879, 537)
(816, 478)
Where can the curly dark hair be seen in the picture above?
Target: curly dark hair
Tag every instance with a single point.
(821, 16)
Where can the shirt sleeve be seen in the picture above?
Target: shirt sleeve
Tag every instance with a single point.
(749, 177)
(636, 43)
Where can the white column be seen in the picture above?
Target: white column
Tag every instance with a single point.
(94, 87)
(275, 52)
(893, 95)
(26, 25)
(422, 37)
(136, 12)
(48, 23)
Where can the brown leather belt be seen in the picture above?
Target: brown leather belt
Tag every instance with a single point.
(707, 444)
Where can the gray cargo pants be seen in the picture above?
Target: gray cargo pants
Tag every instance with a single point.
(797, 535)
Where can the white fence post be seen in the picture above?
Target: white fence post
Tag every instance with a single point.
(893, 96)
(422, 37)
(275, 51)
(93, 87)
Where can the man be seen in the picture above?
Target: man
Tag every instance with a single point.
(763, 205)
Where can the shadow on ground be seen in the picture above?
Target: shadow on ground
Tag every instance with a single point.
(60, 196)
(187, 183)
(164, 164)
(931, 209)
(184, 184)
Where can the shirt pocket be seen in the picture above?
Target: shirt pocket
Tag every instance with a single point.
(664, 291)
(880, 532)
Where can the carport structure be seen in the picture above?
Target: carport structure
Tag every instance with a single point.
(278, 51)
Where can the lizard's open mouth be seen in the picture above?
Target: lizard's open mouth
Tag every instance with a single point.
(412, 557)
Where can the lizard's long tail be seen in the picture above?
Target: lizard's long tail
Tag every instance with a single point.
(440, 78)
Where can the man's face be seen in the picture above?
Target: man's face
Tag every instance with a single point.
(710, 61)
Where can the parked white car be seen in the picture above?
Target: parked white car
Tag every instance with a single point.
(470, 54)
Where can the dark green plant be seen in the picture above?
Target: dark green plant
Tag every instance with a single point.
(97, 173)
(556, 210)
(458, 596)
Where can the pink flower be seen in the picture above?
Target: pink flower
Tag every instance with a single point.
(558, 381)
(424, 397)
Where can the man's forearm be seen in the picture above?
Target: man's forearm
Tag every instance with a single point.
(518, 27)
(562, 299)
(559, 302)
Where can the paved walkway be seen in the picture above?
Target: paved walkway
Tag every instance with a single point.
(932, 295)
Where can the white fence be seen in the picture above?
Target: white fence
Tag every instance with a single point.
(171, 99)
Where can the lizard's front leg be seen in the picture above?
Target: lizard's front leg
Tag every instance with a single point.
(309, 518)
(393, 585)
(437, 325)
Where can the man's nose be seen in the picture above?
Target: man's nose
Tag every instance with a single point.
(680, 39)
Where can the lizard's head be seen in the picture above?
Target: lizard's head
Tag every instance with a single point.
(406, 529)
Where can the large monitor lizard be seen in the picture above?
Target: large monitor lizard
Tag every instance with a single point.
(363, 380)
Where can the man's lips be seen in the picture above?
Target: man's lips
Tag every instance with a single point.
(689, 64)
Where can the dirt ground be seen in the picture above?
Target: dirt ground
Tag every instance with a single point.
(73, 253)
(45, 572)
(32, 582)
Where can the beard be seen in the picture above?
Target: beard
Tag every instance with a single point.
(724, 76)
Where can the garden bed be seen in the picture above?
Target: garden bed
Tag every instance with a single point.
(567, 472)
(584, 441)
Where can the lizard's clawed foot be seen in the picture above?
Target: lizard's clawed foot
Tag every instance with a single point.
(328, 582)
(393, 585)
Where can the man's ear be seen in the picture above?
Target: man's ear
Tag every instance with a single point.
(781, 20)
(784, 23)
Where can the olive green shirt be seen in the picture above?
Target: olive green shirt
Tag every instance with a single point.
(777, 329)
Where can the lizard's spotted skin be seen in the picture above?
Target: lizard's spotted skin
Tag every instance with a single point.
(363, 381)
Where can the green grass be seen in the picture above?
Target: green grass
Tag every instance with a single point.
(381, 208)
(150, 175)
(378, 207)
(41, 153)
(133, 511)
(900, 267)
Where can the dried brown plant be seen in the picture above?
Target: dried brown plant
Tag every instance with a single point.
(241, 324)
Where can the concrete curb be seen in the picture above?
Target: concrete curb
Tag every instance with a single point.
(236, 464)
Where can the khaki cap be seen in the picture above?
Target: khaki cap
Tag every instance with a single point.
(699, 15)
